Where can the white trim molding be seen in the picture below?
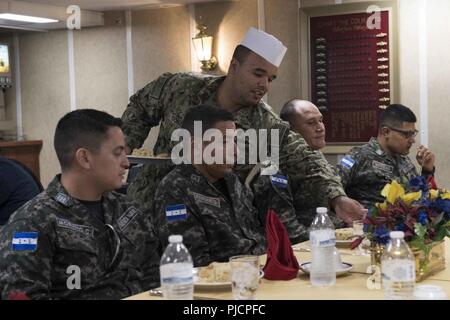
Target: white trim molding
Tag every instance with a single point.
(18, 85)
(423, 72)
(70, 57)
(129, 40)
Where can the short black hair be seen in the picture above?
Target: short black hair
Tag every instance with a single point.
(208, 115)
(288, 112)
(84, 128)
(241, 53)
(394, 116)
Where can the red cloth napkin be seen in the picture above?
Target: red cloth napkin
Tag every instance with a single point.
(18, 295)
(281, 263)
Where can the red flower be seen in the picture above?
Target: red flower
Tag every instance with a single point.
(431, 183)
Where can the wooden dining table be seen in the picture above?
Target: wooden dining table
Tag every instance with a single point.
(357, 284)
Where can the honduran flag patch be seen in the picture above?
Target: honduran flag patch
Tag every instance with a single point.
(176, 212)
(347, 162)
(279, 180)
(24, 241)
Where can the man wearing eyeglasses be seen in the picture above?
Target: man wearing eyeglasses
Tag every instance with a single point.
(78, 239)
(368, 168)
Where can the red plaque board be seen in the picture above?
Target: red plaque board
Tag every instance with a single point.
(350, 73)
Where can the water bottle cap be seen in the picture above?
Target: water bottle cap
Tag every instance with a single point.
(397, 234)
(321, 210)
(175, 238)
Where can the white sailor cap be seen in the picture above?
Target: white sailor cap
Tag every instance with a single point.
(265, 45)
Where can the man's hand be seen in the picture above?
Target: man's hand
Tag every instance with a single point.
(348, 209)
(425, 158)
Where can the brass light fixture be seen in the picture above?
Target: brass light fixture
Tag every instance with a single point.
(203, 48)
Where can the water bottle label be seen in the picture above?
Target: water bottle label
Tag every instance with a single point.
(398, 270)
(322, 238)
(176, 272)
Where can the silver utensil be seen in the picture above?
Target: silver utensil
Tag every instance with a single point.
(156, 293)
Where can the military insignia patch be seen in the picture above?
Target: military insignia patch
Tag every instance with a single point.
(347, 162)
(24, 241)
(63, 199)
(176, 212)
(279, 180)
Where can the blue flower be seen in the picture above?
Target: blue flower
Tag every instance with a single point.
(382, 235)
(442, 205)
(423, 218)
(418, 183)
(400, 227)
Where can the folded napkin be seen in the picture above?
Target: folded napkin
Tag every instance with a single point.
(281, 262)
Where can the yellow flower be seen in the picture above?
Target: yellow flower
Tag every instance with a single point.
(412, 196)
(445, 195)
(392, 191)
(382, 206)
(433, 194)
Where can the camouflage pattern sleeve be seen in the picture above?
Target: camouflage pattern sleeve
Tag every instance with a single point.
(346, 168)
(273, 192)
(174, 215)
(25, 264)
(309, 171)
(144, 111)
(152, 257)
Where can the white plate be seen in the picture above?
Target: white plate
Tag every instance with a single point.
(198, 284)
(343, 244)
(346, 267)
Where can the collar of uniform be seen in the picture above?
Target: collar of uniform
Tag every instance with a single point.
(376, 146)
(208, 92)
(197, 177)
(379, 151)
(56, 191)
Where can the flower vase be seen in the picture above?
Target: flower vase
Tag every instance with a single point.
(429, 265)
(425, 265)
(376, 250)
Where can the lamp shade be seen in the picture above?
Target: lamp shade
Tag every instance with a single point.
(203, 47)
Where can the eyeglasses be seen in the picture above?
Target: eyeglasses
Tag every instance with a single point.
(406, 134)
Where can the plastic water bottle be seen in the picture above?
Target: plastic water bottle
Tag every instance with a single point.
(323, 241)
(176, 271)
(398, 268)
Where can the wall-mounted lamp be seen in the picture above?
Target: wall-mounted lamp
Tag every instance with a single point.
(203, 48)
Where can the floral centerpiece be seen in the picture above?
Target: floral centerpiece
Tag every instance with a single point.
(419, 209)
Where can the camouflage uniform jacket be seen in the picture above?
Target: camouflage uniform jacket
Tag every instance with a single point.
(68, 235)
(168, 98)
(213, 227)
(274, 192)
(367, 169)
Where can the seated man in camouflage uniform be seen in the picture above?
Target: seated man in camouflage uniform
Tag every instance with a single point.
(78, 239)
(368, 168)
(305, 118)
(207, 203)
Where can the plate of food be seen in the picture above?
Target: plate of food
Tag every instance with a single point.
(345, 268)
(215, 276)
(344, 237)
(145, 156)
